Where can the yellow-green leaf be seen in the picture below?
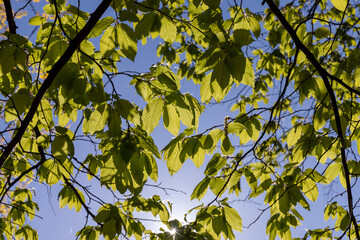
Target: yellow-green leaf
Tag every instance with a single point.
(293, 136)
(205, 90)
(127, 41)
(96, 120)
(340, 4)
(152, 113)
(233, 218)
(107, 41)
(168, 29)
(171, 119)
(201, 189)
(332, 171)
(310, 189)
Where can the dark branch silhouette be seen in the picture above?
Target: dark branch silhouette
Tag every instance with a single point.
(324, 75)
(73, 46)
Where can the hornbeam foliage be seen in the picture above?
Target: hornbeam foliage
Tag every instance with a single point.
(293, 130)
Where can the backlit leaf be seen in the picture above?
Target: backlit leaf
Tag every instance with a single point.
(201, 189)
(126, 38)
(310, 189)
(108, 41)
(100, 26)
(233, 218)
(152, 114)
(340, 4)
(321, 32)
(96, 120)
(171, 119)
(168, 29)
(333, 170)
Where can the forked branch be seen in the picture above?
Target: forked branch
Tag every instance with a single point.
(73, 46)
(324, 75)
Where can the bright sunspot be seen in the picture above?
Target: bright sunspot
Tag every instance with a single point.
(173, 231)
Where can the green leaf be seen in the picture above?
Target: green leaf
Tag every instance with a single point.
(343, 123)
(249, 75)
(59, 147)
(208, 60)
(189, 146)
(221, 76)
(198, 156)
(115, 124)
(218, 224)
(172, 157)
(233, 218)
(17, 104)
(226, 146)
(126, 38)
(201, 189)
(345, 222)
(37, 20)
(254, 26)
(343, 218)
(127, 111)
(128, 148)
(340, 4)
(164, 214)
(171, 119)
(100, 26)
(213, 138)
(45, 114)
(332, 171)
(310, 189)
(214, 165)
(217, 186)
(109, 229)
(49, 172)
(149, 23)
(217, 91)
(146, 142)
(152, 113)
(330, 210)
(138, 168)
(108, 171)
(167, 78)
(293, 136)
(95, 120)
(212, 3)
(7, 60)
(68, 197)
(43, 140)
(108, 41)
(235, 127)
(205, 90)
(320, 118)
(284, 202)
(322, 32)
(236, 66)
(168, 29)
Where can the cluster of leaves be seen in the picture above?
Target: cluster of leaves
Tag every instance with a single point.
(295, 116)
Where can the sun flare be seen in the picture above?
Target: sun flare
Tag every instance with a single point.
(172, 231)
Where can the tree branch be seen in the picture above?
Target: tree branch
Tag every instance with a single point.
(324, 75)
(10, 17)
(12, 29)
(74, 44)
(87, 209)
(350, 89)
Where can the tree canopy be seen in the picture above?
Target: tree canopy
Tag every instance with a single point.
(290, 72)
